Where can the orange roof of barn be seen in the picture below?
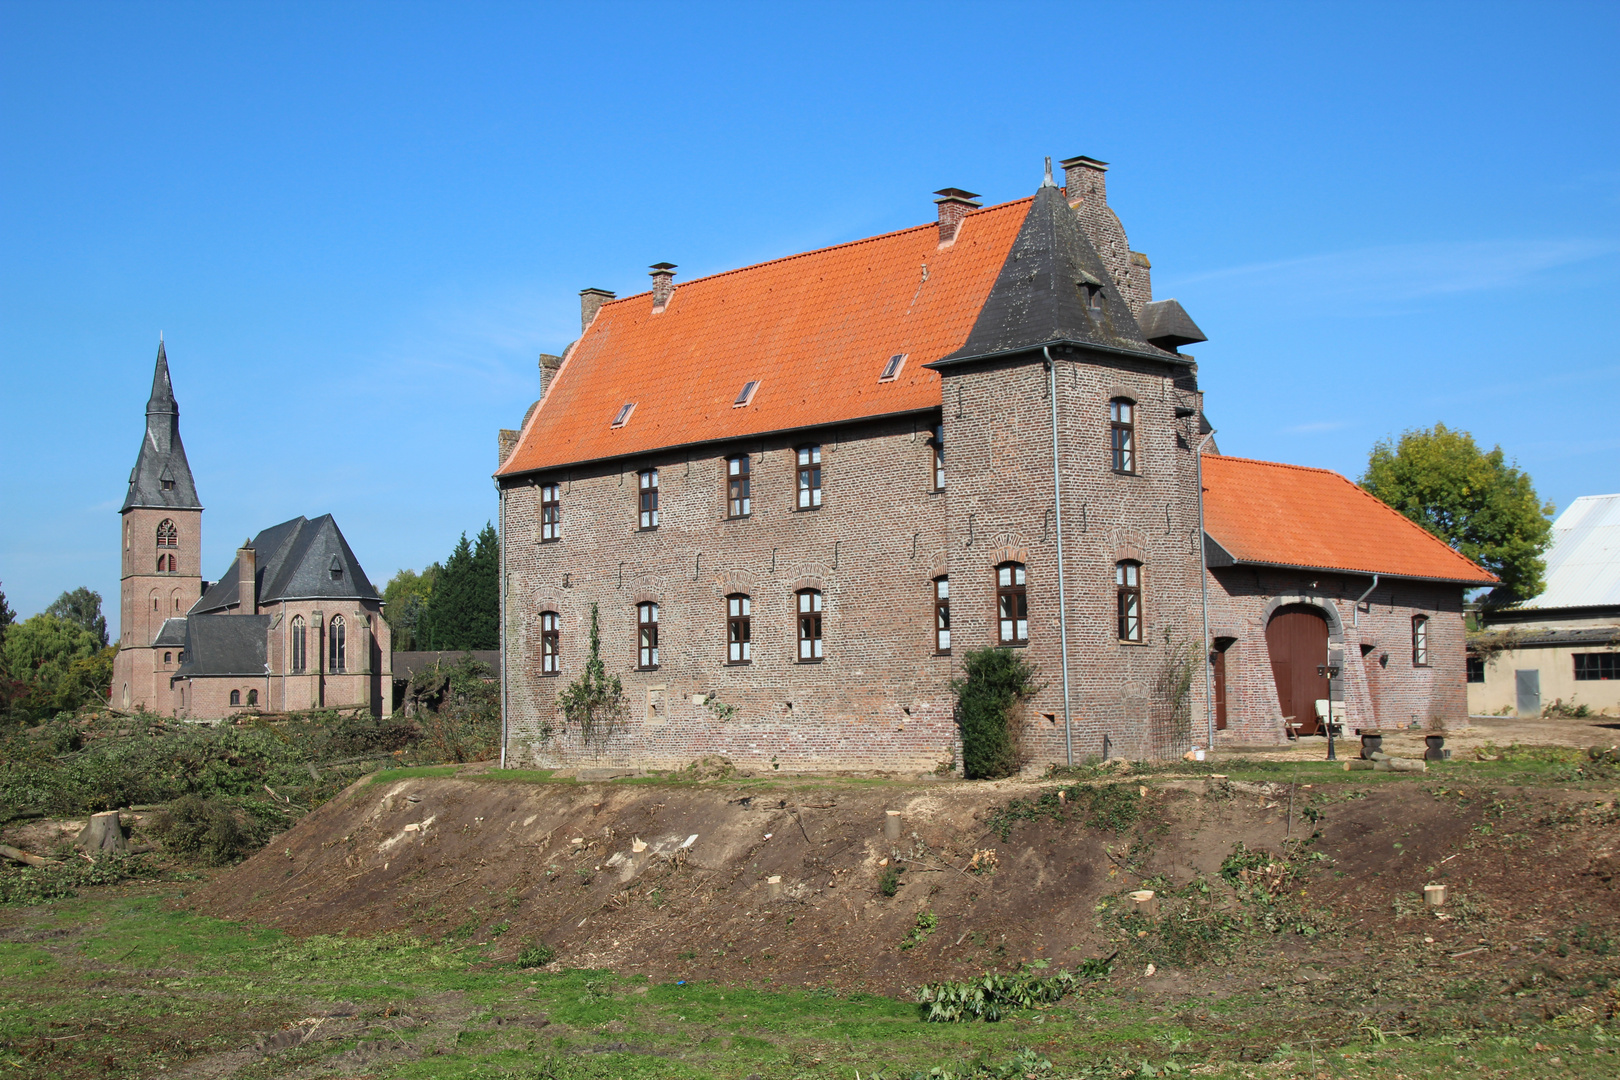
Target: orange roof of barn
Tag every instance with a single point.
(815, 329)
(1289, 515)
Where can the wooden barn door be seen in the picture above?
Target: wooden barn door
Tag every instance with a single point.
(1297, 638)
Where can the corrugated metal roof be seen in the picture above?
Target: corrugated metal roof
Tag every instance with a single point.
(1583, 563)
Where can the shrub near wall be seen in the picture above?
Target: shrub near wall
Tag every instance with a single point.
(995, 681)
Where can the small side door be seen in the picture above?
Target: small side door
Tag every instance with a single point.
(1527, 691)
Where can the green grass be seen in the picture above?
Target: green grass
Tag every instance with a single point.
(131, 982)
(386, 776)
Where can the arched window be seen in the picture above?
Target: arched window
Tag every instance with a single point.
(809, 477)
(1012, 604)
(236, 697)
(550, 643)
(253, 697)
(1420, 641)
(335, 655)
(809, 625)
(1122, 434)
(168, 658)
(647, 636)
(942, 616)
(167, 535)
(298, 654)
(1128, 591)
(739, 629)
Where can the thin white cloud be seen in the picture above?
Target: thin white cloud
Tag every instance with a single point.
(1399, 272)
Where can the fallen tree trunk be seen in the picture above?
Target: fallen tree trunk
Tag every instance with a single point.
(104, 835)
(1401, 765)
(23, 857)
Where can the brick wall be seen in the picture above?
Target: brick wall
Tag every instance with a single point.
(1380, 686)
(138, 666)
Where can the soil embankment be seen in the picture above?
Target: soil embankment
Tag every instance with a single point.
(675, 881)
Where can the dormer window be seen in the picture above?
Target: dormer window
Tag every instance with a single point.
(891, 369)
(747, 395)
(623, 416)
(336, 569)
(168, 485)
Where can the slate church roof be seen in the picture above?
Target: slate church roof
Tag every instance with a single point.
(161, 478)
(225, 645)
(298, 559)
(1267, 514)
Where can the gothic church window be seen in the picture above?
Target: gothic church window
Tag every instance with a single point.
(167, 534)
(337, 657)
(298, 640)
(1012, 604)
(253, 697)
(236, 697)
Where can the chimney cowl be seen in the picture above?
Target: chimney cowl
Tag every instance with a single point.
(663, 275)
(590, 302)
(954, 205)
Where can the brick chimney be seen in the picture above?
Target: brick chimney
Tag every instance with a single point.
(548, 371)
(247, 585)
(663, 275)
(954, 205)
(590, 301)
(1085, 179)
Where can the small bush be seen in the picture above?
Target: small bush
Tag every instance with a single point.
(995, 681)
(889, 883)
(536, 954)
(990, 997)
(212, 829)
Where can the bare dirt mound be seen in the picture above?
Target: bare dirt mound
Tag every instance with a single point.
(787, 883)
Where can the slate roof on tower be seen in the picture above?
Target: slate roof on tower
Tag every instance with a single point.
(1268, 514)
(297, 559)
(816, 329)
(161, 478)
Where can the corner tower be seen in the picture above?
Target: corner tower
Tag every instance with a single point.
(161, 543)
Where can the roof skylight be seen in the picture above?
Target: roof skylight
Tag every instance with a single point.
(623, 416)
(891, 369)
(747, 394)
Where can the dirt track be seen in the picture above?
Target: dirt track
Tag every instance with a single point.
(497, 860)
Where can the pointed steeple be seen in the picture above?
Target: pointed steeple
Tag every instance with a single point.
(162, 476)
(1053, 289)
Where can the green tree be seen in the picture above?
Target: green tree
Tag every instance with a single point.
(82, 607)
(405, 599)
(594, 701)
(7, 617)
(1475, 501)
(463, 611)
(995, 681)
(41, 653)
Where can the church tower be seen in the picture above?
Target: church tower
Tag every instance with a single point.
(162, 556)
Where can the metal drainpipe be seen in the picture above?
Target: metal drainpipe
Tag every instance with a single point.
(501, 514)
(1203, 582)
(1063, 604)
(1355, 609)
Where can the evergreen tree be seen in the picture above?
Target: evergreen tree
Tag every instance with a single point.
(81, 607)
(463, 611)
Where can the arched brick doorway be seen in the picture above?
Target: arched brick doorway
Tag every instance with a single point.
(1297, 639)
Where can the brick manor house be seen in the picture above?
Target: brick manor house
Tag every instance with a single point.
(797, 493)
(294, 624)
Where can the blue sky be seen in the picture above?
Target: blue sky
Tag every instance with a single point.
(357, 224)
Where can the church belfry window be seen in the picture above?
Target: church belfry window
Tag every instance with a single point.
(336, 658)
(167, 534)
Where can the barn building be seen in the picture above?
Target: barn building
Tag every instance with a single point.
(793, 496)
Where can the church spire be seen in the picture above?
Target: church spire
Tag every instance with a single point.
(162, 476)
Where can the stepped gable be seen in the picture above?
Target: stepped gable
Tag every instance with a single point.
(161, 479)
(815, 329)
(296, 560)
(1268, 514)
(1041, 295)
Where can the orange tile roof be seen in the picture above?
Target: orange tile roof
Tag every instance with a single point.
(1289, 515)
(815, 328)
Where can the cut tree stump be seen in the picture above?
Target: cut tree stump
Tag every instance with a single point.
(104, 835)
